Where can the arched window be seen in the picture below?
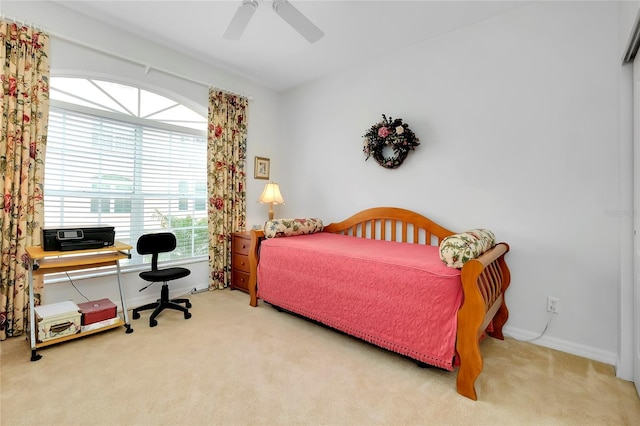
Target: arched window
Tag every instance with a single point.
(122, 156)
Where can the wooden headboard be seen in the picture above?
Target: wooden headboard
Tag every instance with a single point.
(392, 224)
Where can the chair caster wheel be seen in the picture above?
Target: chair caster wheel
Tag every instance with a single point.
(188, 305)
(153, 323)
(135, 315)
(187, 315)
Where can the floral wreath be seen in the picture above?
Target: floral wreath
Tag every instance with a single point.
(393, 134)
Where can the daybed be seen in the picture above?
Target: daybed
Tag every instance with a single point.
(378, 276)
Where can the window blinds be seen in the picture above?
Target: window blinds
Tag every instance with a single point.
(137, 178)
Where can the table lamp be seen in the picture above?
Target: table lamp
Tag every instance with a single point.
(271, 195)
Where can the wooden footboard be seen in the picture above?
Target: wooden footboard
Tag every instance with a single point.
(484, 279)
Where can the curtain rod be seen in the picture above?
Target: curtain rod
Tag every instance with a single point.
(146, 67)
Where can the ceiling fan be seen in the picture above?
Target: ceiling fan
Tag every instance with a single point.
(284, 9)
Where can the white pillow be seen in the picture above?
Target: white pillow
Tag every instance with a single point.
(457, 249)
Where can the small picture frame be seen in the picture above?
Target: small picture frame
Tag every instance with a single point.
(261, 168)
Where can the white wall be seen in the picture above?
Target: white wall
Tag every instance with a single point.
(518, 118)
(77, 48)
(520, 122)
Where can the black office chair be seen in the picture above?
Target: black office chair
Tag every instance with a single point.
(154, 244)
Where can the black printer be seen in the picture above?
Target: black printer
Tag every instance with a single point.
(77, 238)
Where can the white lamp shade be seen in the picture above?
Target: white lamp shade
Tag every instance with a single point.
(271, 194)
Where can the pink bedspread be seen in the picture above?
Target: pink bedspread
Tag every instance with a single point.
(398, 296)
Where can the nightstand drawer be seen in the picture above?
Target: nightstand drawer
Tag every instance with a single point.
(241, 245)
(240, 262)
(240, 272)
(240, 280)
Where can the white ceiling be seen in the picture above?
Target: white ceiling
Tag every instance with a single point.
(272, 53)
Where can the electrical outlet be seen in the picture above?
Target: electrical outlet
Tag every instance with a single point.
(553, 304)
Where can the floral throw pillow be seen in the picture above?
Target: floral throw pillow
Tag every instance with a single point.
(290, 227)
(457, 249)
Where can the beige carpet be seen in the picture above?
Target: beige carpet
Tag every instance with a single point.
(231, 364)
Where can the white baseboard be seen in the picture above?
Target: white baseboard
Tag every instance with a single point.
(563, 345)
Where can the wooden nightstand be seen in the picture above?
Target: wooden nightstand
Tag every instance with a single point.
(240, 243)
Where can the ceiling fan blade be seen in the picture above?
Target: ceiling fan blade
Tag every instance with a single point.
(297, 20)
(240, 20)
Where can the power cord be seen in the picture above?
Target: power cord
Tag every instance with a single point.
(191, 292)
(74, 286)
(551, 314)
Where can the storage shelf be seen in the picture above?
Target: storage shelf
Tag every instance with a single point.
(43, 262)
(37, 252)
(117, 324)
(74, 263)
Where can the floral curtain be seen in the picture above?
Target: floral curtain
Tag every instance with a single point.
(24, 111)
(226, 179)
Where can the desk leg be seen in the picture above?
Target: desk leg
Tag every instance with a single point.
(32, 315)
(124, 303)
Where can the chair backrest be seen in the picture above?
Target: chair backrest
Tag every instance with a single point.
(160, 242)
